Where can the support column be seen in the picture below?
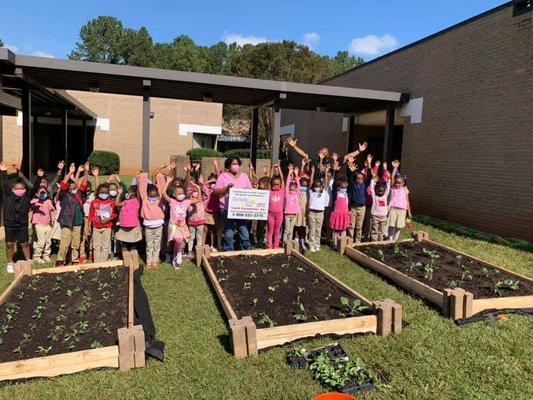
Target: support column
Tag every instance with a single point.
(84, 139)
(351, 133)
(276, 130)
(389, 134)
(27, 134)
(254, 136)
(64, 129)
(146, 126)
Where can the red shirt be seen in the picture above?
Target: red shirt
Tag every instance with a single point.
(102, 209)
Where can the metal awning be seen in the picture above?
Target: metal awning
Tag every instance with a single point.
(128, 80)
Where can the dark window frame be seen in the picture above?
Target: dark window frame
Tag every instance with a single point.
(521, 7)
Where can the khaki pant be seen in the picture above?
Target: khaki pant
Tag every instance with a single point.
(290, 221)
(86, 240)
(357, 218)
(378, 229)
(315, 219)
(70, 239)
(153, 243)
(101, 244)
(196, 233)
(42, 241)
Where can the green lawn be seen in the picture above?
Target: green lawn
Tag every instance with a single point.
(431, 359)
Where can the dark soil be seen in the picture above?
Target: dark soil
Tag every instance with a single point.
(290, 277)
(448, 270)
(82, 310)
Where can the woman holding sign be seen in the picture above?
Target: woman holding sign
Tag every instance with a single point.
(232, 177)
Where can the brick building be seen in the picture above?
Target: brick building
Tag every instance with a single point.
(465, 139)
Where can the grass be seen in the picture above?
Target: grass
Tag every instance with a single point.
(431, 359)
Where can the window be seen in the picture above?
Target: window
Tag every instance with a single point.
(521, 7)
(204, 140)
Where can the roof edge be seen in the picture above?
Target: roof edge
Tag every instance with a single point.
(424, 39)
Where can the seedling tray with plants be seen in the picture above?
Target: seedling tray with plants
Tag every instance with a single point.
(57, 321)
(274, 297)
(459, 284)
(334, 368)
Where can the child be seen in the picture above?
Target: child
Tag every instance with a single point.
(211, 210)
(102, 214)
(292, 202)
(42, 215)
(71, 197)
(196, 220)
(301, 218)
(177, 227)
(379, 194)
(86, 246)
(153, 214)
(16, 204)
(317, 203)
(275, 208)
(129, 233)
(339, 219)
(261, 227)
(357, 205)
(398, 203)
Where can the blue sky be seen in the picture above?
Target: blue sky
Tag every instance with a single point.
(366, 28)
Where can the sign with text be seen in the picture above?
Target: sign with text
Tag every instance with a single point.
(248, 204)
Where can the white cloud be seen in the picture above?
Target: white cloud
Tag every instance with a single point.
(40, 53)
(372, 45)
(311, 39)
(11, 47)
(243, 39)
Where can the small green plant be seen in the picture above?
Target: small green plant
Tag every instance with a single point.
(18, 349)
(20, 296)
(381, 255)
(247, 286)
(428, 271)
(266, 270)
(340, 371)
(506, 284)
(70, 293)
(415, 265)
(43, 299)
(301, 289)
(315, 281)
(273, 288)
(96, 345)
(328, 296)
(113, 273)
(285, 280)
(255, 301)
(81, 275)
(253, 275)
(33, 326)
(43, 350)
(454, 284)
(301, 314)
(104, 327)
(270, 300)
(351, 308)
(38, 311)
(300, 269)
(266, 320)
(285, 265)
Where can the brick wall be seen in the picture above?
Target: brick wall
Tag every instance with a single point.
(468, 160)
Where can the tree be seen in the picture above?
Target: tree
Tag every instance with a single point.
(137, 47)
(1, 43)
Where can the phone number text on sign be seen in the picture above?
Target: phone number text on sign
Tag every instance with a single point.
(248, 204)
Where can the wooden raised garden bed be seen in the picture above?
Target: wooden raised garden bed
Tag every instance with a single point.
(273, 297)
(459, 284)
(62, 320)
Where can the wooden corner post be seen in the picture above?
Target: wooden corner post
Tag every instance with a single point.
(243, 337)
(457, 303)
(23, 268)
(343, 242)
(419, 236)
(291, 245)
(389, 315)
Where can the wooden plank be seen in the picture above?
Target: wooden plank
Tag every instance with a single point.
(77, 267)
(379, 243)
(238, 338)
(467, 304)
(230, 313)
(251, 335)
(60, 364)
(397, 318)
(133, 265)
(140, 346)
(501, 303)
(406, 282)
(332, 279)
(126, 349)
(10, 288)
(516, 275)
(257, 252)
(383, 310)
(278, 335)
(456, 303)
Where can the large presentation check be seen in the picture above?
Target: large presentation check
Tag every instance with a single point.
(248, 204)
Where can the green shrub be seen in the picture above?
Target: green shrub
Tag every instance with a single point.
(107, 161)
(245, 153)
(196, 154)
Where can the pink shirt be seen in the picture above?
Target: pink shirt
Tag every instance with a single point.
(211, 201)
(225, 178)
(178, 210)
(151, 211)
(275, 204)
(398, 197)
(129, 213)
(380, 207)
(198, 216)
(292, 198)
(41, 211)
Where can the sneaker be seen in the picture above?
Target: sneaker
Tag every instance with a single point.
(10, 268)
(75, 261)
(312, 248)
(60, 263)
(213, 249)
(47, 259)
(176, 262)
(167, 258)
(39, 260)
(317, 248)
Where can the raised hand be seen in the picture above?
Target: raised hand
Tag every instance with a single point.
(292, 142)
(40, 173)
(87, 166)
(296, 171)
(362, 147)
(385, 164)
(72, 168)
(81, 168)
(95, 171)
(3, 167)
(369, 159)
(215, 163)
(61, 165)
(335, 156)
(16, 167)
(251, 167)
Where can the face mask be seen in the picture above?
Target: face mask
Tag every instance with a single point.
(127, 196)
(18, 192)
(103, 196)
(235, 168)
(303, 189)
(113, 193)
(153, 200)
(180, 197)
(44, 184)
(342, 190)
(74, 191)
(317, 190)
(195, 194)
(42, 196)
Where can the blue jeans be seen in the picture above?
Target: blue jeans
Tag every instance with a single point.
(229, 229)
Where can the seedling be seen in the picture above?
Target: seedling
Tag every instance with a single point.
(454, 284)
(266, 270)
(351, 308)
(255, 301)
(81, 275)
(247, 286)
(301, 289)
(273, 288)
(33, 326)
(105, 295)
(20, 296)
(315, 281)
(17, 350)
(253, 275)
(113, 273)
(285, 280)
(340, 371)
(300, 269)
(270, 300)
(38, 311)
(43, 299)
(96, 345)
(301, 314)
(43, 350)
(70, 293)
(428, 271)
(381, 255)
(104, 327)
(506, 284)
(415, 265)
(328, 296)
(285, 265)
(266, 320)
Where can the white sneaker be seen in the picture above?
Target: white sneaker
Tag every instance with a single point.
(312, 248)
(47, 259)
(213, 249)
(39, 260)
(317, 248)
(10, 268)
(176, 262)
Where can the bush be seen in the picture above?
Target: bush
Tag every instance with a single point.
(245, 153)
(196, 154)
(107, 161)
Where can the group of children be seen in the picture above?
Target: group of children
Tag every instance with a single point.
(167, 216)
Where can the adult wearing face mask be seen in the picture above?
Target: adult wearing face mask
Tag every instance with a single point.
(16, 201)
(232, 177)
